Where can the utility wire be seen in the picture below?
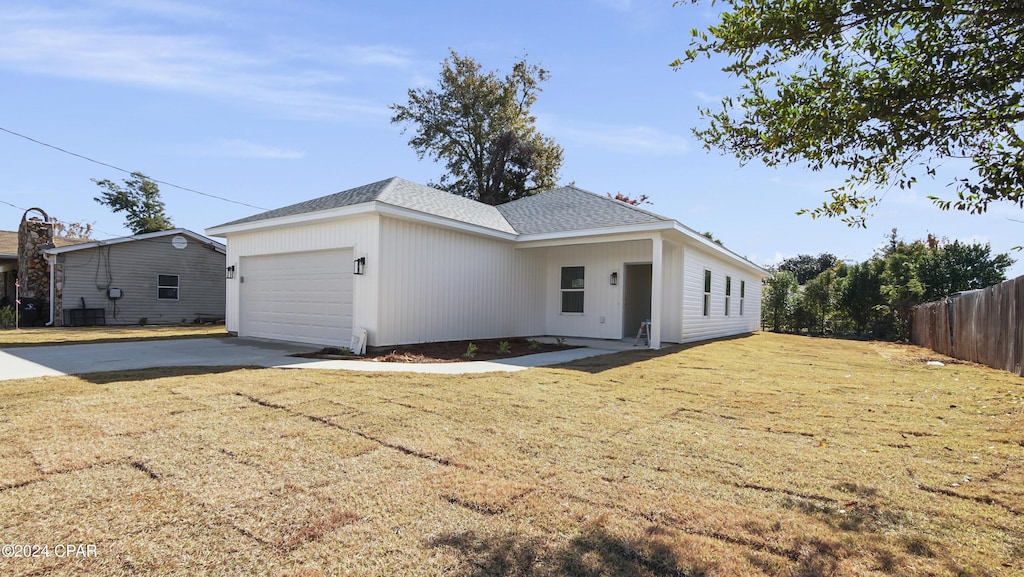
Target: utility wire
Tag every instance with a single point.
(83, 240)
(171, 184)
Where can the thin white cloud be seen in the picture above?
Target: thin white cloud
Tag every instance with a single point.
(632, 139)
(619, 5)
(388, 56)
(165, 8)
(705, 97)
(46, 43)
(236, 148)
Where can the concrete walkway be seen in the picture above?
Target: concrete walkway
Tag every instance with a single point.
(31, 362)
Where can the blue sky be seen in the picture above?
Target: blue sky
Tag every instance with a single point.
(270, 103)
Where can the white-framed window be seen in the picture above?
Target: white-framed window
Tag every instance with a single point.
(572, 289)
(707, 293)
(728, 293)
(167, 287)
(743, 294)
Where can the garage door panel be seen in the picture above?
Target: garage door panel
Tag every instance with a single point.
(301, 297)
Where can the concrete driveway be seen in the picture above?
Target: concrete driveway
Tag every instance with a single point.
(27, 362)
(31, 362)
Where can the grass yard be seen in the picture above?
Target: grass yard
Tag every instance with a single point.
(40, 336)
(764, 455)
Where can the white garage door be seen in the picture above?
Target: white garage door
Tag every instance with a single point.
(302, 297)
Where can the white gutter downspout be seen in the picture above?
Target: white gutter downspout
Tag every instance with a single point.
(51, 258)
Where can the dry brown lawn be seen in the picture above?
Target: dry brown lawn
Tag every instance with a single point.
(765, 455)
(41, 336)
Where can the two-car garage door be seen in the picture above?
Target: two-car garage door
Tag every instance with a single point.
(301, 297)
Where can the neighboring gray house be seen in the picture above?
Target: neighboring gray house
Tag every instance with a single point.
(8, 266)
(166, 277)
(409, 263)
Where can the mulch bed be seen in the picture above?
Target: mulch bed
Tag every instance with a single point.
(444, 352)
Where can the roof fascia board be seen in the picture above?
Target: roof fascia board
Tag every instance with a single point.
(712, 246)
(594, 235)
(294, 219)
(219, 247)
(374, 206)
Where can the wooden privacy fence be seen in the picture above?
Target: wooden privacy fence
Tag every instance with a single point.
(983, 326)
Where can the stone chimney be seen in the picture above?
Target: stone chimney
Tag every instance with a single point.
(34, 235)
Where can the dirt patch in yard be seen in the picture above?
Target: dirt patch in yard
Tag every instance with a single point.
(446, 352)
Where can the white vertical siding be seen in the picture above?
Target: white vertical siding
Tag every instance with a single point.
(359, 234)
(133, 267)
(600, 299)
(696, 326)
(438, 284)
(672, 294)
(426, 283)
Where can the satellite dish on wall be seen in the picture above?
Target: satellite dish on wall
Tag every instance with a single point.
(179, 242)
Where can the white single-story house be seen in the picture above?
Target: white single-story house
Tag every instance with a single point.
(409, 264)
(165, 277)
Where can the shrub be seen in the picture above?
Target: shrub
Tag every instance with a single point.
(504, 348)
(7, 318)
(470, 351)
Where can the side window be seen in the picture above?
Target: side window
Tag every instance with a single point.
(707, 293)
(572, 289)
(743, 294)
(167, 287)
(728, 294)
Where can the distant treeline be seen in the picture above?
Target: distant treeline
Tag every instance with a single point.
(823, 295)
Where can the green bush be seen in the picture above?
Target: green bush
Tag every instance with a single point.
(7, 318)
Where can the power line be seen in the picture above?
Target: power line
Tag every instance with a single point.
(171, 184)
(112, 235)
(91, 230)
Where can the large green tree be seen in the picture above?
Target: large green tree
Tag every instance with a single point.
(480, 126)
(139, 199)
(861, 297)
(884, 91)
(956, 266)
(776, 305)
(807, 267)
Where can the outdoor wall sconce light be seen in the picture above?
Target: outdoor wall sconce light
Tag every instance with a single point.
(229, 272)
(359, 265)
(614, 278)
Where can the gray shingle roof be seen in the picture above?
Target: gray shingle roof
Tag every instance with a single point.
(421, 198)
(570, 208)
(401, 193)
(564, 209)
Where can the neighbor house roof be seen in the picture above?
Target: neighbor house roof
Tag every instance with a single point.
(9, 243)
(219, 247)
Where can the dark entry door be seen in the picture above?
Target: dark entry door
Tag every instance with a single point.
(636, 298)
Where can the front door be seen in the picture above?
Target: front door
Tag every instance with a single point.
(636, 298)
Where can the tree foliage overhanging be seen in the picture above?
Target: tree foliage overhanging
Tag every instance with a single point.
(481, 128)
(139, 199)
(882, 90)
